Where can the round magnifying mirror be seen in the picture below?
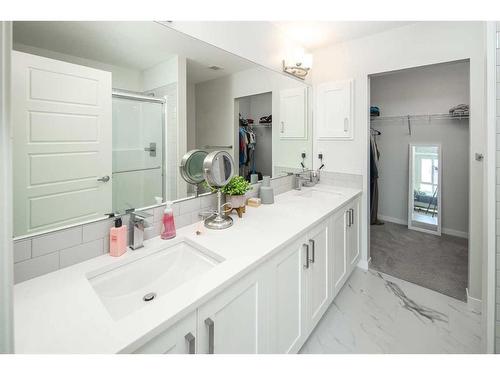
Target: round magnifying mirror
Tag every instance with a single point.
(192, 166)
(218, 168)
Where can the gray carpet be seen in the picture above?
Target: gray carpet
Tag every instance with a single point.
(439, 263)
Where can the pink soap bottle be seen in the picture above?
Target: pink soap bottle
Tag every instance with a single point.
(168, 230)
(118, 239)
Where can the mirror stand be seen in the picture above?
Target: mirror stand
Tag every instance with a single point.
(219, 220)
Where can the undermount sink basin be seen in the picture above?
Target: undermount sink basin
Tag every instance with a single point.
(315, 192)
(134, 285)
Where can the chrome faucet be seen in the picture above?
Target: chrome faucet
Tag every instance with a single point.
(306, 178)
(138, 223)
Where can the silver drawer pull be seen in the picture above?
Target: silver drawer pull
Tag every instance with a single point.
(191, 341)
(211, 334)
(103, 179)
(313, 245)
(306, 266)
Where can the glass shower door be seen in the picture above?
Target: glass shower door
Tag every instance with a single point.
(137, 153)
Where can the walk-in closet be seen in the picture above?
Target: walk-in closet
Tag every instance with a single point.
(419, 175)
(255, 135)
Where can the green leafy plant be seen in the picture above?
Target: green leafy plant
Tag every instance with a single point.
(237, 186)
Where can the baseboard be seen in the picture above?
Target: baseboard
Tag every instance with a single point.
(473, 304)
(448, 231)
(364, 264)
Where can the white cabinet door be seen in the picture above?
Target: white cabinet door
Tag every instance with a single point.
(318, 277)
(61, 115)
(353, 235)
(287, 299)
(178, 339)
(292, 120)
(334, 110)
(232, 322)
(339, 244)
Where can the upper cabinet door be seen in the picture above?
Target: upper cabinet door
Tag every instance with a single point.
(61, 115)
(293, 113)
(334, 110)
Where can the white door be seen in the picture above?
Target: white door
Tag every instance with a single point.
(61, 115)
(339, 250)
(179, 339)
(318, 275)
(334, 115)
(353, 235)
(288, 299)
(233, 322)
(293, 113)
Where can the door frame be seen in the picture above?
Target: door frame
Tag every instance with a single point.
(6, 242)
(410, 187)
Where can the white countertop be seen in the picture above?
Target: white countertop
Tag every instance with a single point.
(61, 313)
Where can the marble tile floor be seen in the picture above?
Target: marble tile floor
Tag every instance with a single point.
(377, 313)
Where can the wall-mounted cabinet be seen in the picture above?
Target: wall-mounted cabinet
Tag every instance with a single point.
(334, 110)
(293, 113)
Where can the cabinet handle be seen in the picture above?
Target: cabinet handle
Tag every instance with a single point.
(348, 213)
(211, 334)
(306, 266)
(346, 124)
(313, 245)
(191, 340)
(282, 126)
(352, 216)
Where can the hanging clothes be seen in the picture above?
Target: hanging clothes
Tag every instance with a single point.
(374, 157)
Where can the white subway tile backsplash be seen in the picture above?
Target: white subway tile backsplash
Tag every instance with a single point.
(153, 230)
(31, 268)
(22, 250)
(97, 230)
(56, 241)
(81, 253)
(182, 220)
(189, 206)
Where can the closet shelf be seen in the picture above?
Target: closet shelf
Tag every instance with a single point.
(428, 118)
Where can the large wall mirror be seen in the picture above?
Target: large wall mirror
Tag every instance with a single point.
(103, 113)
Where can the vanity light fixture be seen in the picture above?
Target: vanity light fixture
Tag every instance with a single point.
(300, 66)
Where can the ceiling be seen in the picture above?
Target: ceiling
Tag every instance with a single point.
(315, 35)
(134, 45)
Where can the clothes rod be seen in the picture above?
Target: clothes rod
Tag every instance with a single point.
(217, 147)
(135, 96)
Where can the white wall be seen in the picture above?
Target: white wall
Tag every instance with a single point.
(215, 117)
(417, 44)
(425, 90)
(161, 74)
(122, 78)
(261, 42)
(6, 256)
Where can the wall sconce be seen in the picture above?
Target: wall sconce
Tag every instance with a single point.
(301, 65)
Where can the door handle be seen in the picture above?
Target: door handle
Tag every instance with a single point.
(151, 149)
(306, 266)
(313, 245)
(191, 341)
(103, 179)
(211, 334)
(346, 124)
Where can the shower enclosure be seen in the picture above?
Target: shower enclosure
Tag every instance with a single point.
(138, 150)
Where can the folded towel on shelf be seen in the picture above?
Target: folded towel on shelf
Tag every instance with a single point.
(460, 110)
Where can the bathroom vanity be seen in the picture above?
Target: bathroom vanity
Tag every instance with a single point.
(260, 286)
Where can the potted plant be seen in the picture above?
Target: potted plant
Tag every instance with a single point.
(235, 191)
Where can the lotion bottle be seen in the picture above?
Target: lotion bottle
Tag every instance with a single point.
(168, 230)
(118, 239)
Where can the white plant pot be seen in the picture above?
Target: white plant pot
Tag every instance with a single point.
(236, 201)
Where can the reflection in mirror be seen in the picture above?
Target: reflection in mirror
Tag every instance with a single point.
(218, 168)
(424, 211)
(192, 168)
(113, 106)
